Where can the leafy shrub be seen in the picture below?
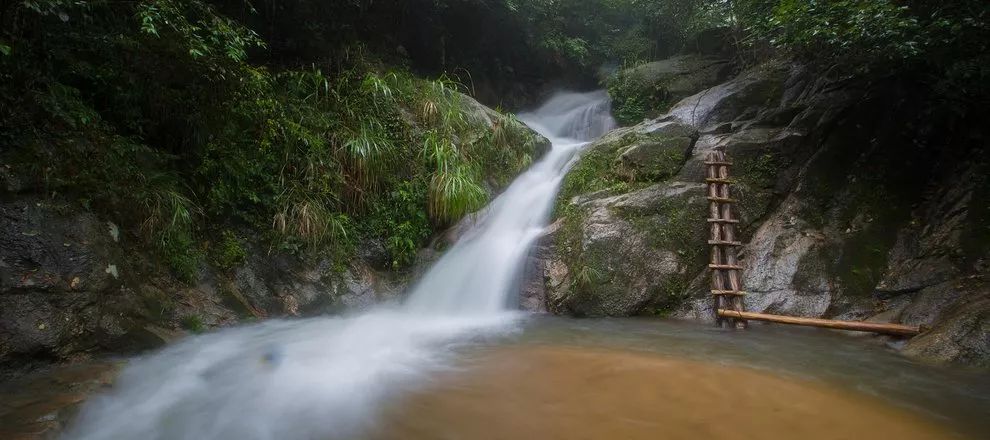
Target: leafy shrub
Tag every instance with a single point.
(228, 252)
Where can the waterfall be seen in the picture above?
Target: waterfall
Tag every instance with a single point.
(478, 273)
(327, 377)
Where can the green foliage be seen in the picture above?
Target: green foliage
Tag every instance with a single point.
(192, 323)
(182, 257)
(454, 193)
(855, 32)
(946, 41)
(228, 252)
(401, 220)
(635, 97)
(150, 112)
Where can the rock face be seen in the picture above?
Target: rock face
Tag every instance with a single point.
(854, 204)
(73, 284)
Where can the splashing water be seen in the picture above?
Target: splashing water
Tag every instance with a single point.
(326, 377)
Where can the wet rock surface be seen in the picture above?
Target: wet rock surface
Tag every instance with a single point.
(851, 208)
(40, 405)
(74, 286)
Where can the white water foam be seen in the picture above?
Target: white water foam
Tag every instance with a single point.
(325, 378)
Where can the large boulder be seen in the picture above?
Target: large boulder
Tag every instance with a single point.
(648, 89)
(681, 76)
(627, 254)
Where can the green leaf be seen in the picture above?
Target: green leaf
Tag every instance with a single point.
(4, 49)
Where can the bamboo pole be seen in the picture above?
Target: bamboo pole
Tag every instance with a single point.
(874, 327)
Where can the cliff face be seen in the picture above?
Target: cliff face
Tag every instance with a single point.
(857, 201)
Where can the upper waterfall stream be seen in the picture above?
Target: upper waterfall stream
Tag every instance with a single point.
(324, 377)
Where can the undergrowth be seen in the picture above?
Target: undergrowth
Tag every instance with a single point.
(150, 113)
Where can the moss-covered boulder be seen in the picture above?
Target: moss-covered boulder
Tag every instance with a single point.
(630, 158)
(627, 254)
(654, 159)
(647, 90)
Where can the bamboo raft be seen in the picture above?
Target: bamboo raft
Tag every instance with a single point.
(726, 285)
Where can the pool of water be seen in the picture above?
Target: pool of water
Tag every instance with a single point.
(542, 377)
(778, 378)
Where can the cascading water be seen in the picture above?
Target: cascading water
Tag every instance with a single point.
(477, 274)
(325, 377)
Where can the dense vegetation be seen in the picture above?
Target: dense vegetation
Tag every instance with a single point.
(944, 46)
(189, 119)
(151, 112)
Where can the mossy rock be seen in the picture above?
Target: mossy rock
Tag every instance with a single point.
(628, 254)
(654, 159)
(648, 90)
(627, 158)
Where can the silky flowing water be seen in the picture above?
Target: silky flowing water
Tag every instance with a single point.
(454, 361)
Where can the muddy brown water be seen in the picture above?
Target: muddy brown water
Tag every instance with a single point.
(553, 392)
(628, 379)
(650, 379)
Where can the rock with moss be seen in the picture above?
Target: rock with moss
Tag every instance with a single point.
(626, 254)
(649, 89)
(75, 285)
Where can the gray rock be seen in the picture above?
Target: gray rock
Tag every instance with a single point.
(618, 264)
(962, 338)
(680, 76)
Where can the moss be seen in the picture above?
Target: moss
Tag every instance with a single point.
(595, 170)
(669, 296)
(228, 252)
(571, 233)
(673, 224)
(756, 177)
(592, 172)
(183, 258)
(192, 323)
(654, 162)
(668, 163)
(635, 98)
(871, 215)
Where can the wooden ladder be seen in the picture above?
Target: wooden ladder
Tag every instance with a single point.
(727, 272)
(724, 264)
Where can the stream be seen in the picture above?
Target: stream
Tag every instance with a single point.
(454, 361)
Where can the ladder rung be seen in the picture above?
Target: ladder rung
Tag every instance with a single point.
(727, 243)
(724, 266)
(718, 163)
(722, 220)
(722, 199)
(729, 181)
(728, 292)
